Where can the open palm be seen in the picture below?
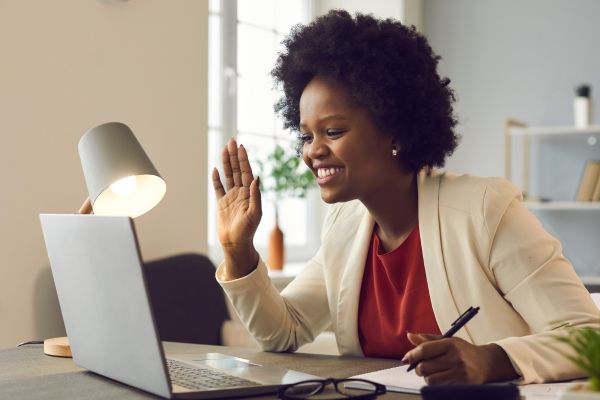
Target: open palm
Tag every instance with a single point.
(238, 203)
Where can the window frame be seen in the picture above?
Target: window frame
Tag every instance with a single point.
(227, 89)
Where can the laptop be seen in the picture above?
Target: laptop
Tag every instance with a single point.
(103, 296)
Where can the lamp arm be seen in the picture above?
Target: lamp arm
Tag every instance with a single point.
(86, 207)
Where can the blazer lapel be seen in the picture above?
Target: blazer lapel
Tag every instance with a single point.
(349, 294)
(442, 300)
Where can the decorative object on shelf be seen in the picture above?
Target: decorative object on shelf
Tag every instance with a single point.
(281, 177)
(596, 194)
(585, 346)
(589, 184)
(582, 106)
(517, 130)
(121, 180)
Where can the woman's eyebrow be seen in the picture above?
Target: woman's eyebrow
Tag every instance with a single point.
(326, 118)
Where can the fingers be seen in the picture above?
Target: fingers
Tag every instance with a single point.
(216, 179)
(418, 338)
(236, 165)
(86, 207)
(234, 162)
(245, 168)
(448, 368)
(427, 350)
(227, 168)
(254, 205)
(450, 360)
(442, 377)
(433, 366)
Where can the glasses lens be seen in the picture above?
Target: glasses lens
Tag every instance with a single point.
(303, 390)
(355, 387)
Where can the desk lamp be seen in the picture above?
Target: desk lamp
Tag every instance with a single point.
(121, 180)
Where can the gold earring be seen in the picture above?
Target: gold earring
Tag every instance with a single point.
(394, 152)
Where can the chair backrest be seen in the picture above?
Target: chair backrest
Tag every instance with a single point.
(189, 304)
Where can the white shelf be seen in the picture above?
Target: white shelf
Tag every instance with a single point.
(553, 130)
(590, 280)
(563, 205)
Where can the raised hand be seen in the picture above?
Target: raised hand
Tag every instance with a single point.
(238, 210)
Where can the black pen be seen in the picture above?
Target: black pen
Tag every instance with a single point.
(456, 325)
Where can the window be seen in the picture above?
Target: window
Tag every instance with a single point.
(244, 39)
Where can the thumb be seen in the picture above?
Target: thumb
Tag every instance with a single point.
(418, 338)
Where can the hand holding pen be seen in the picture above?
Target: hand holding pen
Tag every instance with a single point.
(456, 325)
(452, 360)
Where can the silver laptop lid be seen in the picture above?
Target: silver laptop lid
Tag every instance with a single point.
(97, 271)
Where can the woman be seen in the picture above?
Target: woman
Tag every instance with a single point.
(405, 249)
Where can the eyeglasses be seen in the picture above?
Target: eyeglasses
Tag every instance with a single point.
(344, 389)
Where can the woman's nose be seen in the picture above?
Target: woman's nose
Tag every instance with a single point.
(317, 148)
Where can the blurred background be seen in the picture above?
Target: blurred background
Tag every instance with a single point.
(186, 75)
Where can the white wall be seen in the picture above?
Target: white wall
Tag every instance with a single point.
(523, 59)
(512, 58)
(407, 11)
(69, 65)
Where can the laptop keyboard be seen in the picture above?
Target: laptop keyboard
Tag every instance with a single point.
(199, 378)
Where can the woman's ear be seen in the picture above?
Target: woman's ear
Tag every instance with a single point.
(395, 148)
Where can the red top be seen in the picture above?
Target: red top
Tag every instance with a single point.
(394, 299)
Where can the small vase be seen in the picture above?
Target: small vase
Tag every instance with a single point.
(276, 248)
(582, 110)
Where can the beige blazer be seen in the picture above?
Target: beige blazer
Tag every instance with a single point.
(481, 247)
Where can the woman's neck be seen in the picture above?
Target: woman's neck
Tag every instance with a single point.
(395, 210)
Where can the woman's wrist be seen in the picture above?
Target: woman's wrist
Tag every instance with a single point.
(498, 365)
(239, 261)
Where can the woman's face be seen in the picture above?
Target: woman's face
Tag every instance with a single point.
(350, 156)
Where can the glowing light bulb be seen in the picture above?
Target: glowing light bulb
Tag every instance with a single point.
(124, 187)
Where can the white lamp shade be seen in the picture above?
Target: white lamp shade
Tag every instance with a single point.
(120, 178)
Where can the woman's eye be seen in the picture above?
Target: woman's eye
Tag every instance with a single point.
(334, 132)
(304, 138)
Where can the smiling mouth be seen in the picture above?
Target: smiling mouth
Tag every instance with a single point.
(325, 175)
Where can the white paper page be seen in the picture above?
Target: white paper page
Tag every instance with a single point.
(396, 379)
(543, 391)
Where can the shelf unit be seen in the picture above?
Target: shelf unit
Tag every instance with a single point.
(520, 130)
(562, 205)
(516, 128)
(576, 224)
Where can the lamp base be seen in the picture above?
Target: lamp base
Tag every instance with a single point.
(58, 347)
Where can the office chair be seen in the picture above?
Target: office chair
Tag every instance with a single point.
(189, 305)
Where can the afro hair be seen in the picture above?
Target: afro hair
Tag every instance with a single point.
(388, 68)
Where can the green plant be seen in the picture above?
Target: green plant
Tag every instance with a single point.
(281, 175)
(585, 342)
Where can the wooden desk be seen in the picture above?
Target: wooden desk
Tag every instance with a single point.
(26, 373)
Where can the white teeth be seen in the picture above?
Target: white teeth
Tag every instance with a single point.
(323, 172)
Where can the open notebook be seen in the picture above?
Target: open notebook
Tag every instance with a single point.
(398, 380)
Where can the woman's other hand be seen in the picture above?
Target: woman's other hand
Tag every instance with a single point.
(86, 207)
(238, 211)
(456, 361)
